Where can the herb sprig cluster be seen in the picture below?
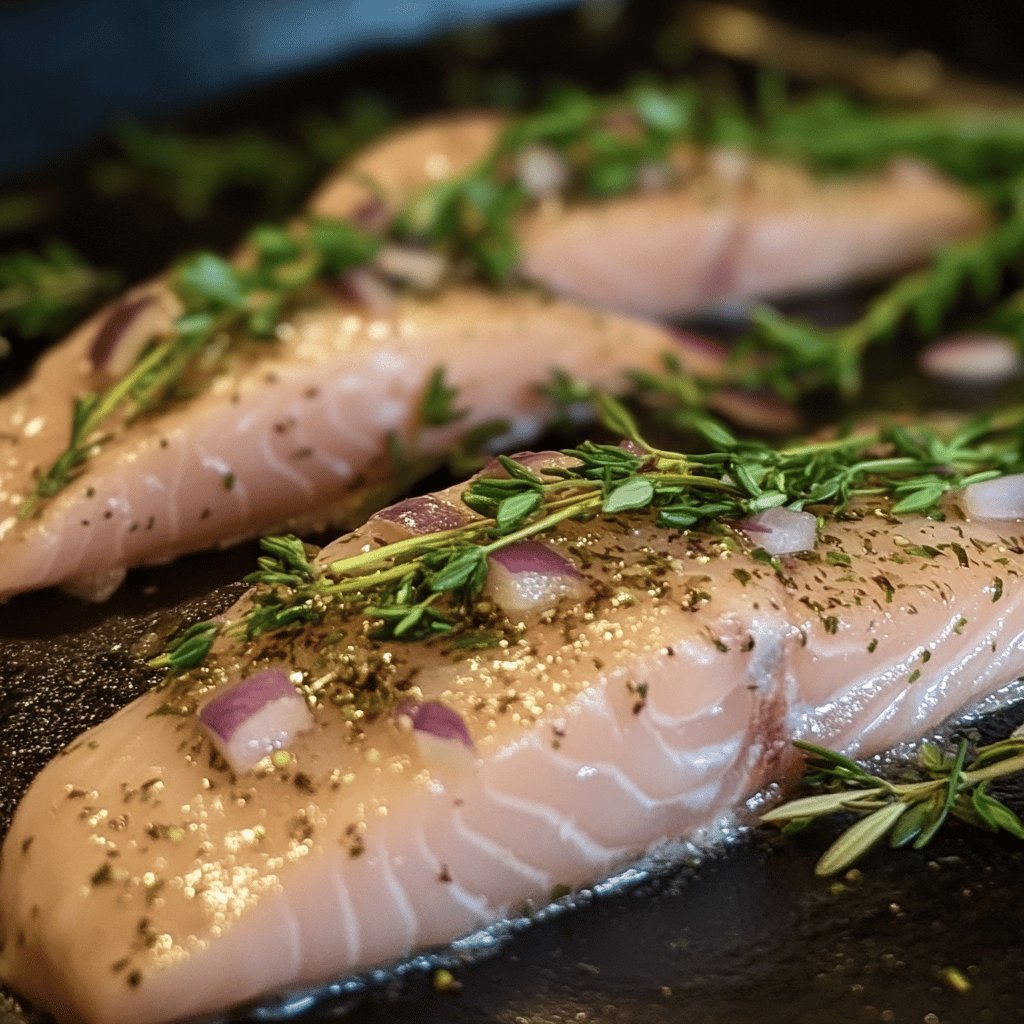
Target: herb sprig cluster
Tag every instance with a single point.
(41, 291)
(910, 813)
(219, 300)
(607, 145)
(425, 585)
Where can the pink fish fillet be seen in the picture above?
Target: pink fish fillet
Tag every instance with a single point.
(293, 435)
(735, 227)
(143, 881)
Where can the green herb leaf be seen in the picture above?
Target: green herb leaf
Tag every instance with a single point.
(632, 494)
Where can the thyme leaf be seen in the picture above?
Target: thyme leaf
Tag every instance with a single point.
(909, 813)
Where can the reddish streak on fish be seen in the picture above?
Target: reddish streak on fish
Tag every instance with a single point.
(638, 715)
(734, 227)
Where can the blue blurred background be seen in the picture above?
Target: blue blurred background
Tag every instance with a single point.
(68, 67)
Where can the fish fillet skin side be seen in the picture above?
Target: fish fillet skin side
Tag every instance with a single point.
(290, 435)
(736, 227)
(143, 882)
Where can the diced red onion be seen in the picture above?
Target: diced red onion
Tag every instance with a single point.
(756, 410)
(782, 531)
(372, 215)
(426, 514)
(1002, 498)
(441, 734)
(419, 268)
(528, 575)
(255, 717)
(972, 359)
(369, 290)
(537, 461)
(542, 171)
(123, 335)
(699, 355)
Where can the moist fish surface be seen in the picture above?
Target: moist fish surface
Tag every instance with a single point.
(294, 434)
(145, 880)
(731, 226)
(290, 435)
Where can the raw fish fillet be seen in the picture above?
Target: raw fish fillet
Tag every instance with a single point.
(735, 228)
(142, 881)
(295, 436)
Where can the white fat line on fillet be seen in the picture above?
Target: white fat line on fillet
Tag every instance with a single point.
(61, 549)
(995, 671)
(658, 729)
(564, 828)
(476, 905)
(287, 938)
(354, 445)
(187, 453)
(347, 917)
(237, 492)
(275, 466)
(980, 662)
(309, 436)
(409, 917)
(628, 788)
(616, 773)
(686, 755)
(362, 442)
(487, 846)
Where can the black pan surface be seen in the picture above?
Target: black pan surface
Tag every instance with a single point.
(745, 935)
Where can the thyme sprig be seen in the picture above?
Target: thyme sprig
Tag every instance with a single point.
(793, 356)
(193, 172)
(425, 585)
(220, 301)
(41, 291)
(910, 813)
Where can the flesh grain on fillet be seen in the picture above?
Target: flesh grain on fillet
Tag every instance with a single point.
(655, 689)
(295, 433)
(292, 436)
(735, 227)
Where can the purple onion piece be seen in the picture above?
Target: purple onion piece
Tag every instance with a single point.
(972, 359)
(1002, 498)
(425, 514)
(115, 332)
(782, 531)
(419, 268)
(435, 719)
(534, 557)
(528, 575)
(366, 288)
(699, 355)
(537, 461)
(542, 171)
(372, 215)
(254, 717)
